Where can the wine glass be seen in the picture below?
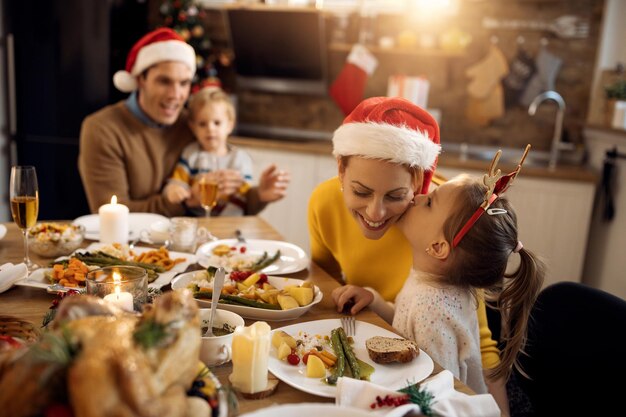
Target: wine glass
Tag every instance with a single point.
(24, 194)
(208, 194)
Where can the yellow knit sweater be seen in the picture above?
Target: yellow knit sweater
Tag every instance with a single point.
(339, 247)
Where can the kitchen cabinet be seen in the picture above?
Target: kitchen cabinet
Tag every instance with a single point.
(553, 214)
(553, 218)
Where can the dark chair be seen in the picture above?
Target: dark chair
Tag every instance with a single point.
(576, 353)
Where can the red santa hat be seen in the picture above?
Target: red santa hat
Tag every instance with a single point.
(393, 129)
(160, 45)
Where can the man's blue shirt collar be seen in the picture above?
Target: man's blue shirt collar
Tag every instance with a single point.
(133, 105)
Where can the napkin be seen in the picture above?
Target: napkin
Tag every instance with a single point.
(10, 273)
(447, 401)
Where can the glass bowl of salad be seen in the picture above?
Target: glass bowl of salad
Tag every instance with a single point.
(55, 239)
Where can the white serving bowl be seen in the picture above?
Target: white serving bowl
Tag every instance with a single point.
(216, 350)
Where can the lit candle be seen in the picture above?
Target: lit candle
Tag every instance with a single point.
(122, 299)
(250, 353)
(113, 222)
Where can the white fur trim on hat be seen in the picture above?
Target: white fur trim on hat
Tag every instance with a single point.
(385, 141)
(151, 54)
(123, 81)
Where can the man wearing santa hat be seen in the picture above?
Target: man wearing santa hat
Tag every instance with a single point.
(130, 148)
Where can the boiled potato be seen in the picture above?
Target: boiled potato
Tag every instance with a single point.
(315, 367)
(280, 336)
(283, 350)
(252, 279)
(287, 302)
(303, 295)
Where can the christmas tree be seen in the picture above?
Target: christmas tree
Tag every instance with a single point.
(186, 18)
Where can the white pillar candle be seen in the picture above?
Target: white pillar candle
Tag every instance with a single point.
(119, 298)
(250, 354)
(113, 222)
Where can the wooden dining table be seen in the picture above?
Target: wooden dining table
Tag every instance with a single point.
(31, 304)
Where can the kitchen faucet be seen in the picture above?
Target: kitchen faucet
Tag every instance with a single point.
(557, 145)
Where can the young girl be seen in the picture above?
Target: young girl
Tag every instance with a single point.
(462, 235)
(212, 159)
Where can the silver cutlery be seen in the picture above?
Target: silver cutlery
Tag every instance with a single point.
(240, 237)
(349, 325)
(218, 283)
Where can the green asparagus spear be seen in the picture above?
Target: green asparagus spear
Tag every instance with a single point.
(340, 365)
(353, 363)
(233, 299)
(265, 261)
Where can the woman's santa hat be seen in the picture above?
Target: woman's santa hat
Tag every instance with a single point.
(157, 46)
(393, 129)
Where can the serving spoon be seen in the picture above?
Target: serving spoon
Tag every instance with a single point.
(218, 283)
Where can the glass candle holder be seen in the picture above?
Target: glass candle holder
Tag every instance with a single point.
(123, 286)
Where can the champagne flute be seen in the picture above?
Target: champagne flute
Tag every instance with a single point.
(24, 194)
(208, 194)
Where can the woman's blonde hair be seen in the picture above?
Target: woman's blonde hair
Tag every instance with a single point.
(210, 95)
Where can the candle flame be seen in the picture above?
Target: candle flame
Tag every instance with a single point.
(114, 199)
(117, 279)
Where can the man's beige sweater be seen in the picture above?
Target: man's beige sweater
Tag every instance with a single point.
(120, 155)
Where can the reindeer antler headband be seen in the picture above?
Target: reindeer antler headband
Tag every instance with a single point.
(496, 184)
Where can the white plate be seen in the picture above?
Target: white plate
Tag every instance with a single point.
(183, 280)
(393, 376)
(38, 279)
(308, 410)
(136, 223)
(3, 231)
(292, 257)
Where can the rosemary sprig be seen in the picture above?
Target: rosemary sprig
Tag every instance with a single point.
(420, 397)
(151, 334)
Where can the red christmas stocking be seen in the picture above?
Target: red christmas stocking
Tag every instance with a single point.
(348, 88)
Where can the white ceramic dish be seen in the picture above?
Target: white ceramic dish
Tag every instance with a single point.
(37, 278)
(393, 376)
(3, 231)
(292, 257)
(308, 410)
(216, 350)
(181, 282)
(136, 223)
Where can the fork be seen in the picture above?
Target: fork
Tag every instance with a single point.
(349, 325)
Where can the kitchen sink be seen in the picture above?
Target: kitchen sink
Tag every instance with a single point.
(512, 155)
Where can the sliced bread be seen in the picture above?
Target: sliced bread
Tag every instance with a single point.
(388, 349)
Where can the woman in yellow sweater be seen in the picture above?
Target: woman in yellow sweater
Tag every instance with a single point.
(386, 152)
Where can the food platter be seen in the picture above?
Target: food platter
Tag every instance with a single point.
(292, 257)
(136, 223)
(183, 280)
(393, 376)
(38, 278)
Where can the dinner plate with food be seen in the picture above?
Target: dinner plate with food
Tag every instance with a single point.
(268, 256)
(253, 295)
(70, 272)
(309, 356)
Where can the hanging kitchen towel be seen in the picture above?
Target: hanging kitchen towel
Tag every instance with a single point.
(522, 70)
(487, 73)
(480, 112)
(485, 94)
(349, 87)
(548, 66)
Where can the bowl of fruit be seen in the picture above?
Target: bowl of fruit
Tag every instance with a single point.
(55, 239)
